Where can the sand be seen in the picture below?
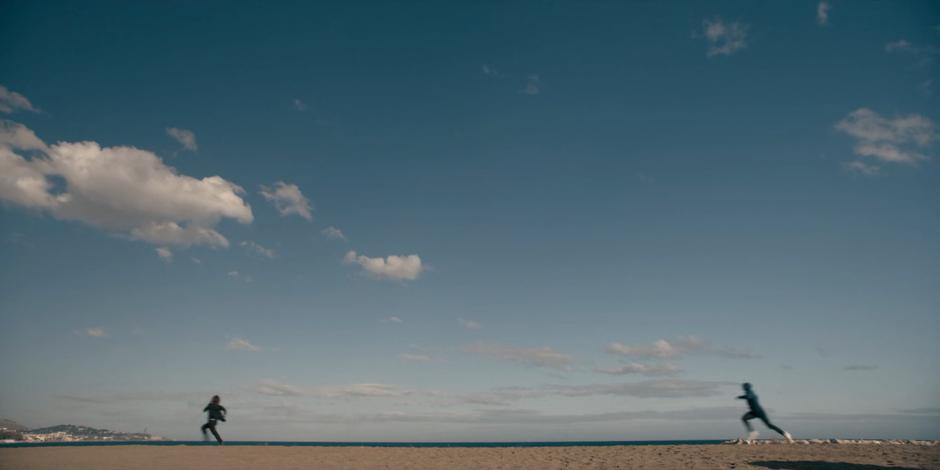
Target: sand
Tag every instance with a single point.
(795, 456)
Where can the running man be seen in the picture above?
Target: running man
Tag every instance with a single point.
(757, 412)
(216, 413)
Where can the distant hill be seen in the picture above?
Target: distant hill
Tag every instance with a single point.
(10, 429)
(86, 433)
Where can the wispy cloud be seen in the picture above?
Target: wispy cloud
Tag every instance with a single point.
(415, 357)
(121, 190)
(165, 254)
(333, 233)
(235, 274)
(469, 324)
(299, 105)
(185, 137)
(241, 344)
(11, 101)
(489, 71)
(724, 38)
(900, 45)
(822, 13)
(391, 319)
(862, 168)
(533, 85)
(681, 346)
(288, 200)
(392, 267)
(641, 369)
(861, 367)
(534, 357)
(888, 140)
(92, 332)
(363, 390)
(258, 249)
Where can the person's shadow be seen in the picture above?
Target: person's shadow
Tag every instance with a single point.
(820, 465)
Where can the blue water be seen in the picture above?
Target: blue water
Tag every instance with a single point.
(362, 444)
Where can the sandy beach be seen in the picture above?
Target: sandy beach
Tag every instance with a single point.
(800, 457)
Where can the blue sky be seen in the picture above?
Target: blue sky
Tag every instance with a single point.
(476, 221)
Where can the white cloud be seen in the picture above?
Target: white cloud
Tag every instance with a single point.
(258, 249)
(533, 85)
(534, 357)
(93, 332)
(288, 199)
(165, 254)
(392, 319)
(861, 367)
(392, 267)
(469, 324)
(123, 190)
(11, 101)
(299, 105)
(241, 344)
(185, 137)
(724, 38)
(681, 346)
(900, 45)
(822, 13)
(411, 357)
(333, 233)
(641, 369)
(862, 168)
(893, 140)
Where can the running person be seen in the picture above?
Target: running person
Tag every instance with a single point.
(756, 411)
(216, 413)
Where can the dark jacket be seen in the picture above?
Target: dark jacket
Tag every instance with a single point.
(215, 411)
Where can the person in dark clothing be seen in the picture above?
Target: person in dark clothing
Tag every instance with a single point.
(216, 413)
(756, 411)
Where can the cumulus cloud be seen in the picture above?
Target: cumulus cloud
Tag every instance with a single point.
(413, 357)
(165, 254)
(681, 346)
(258, 249)
(469, 324)
(889, 140)
(641, 369)
(533, 85)
(534, 357)
(363, 390)
(822, 13)
(333, 233)
(122, 190)
(724, 38)
(11, 101)
(288, 200)
(392, 267)
(185, 137)
(241, 344)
